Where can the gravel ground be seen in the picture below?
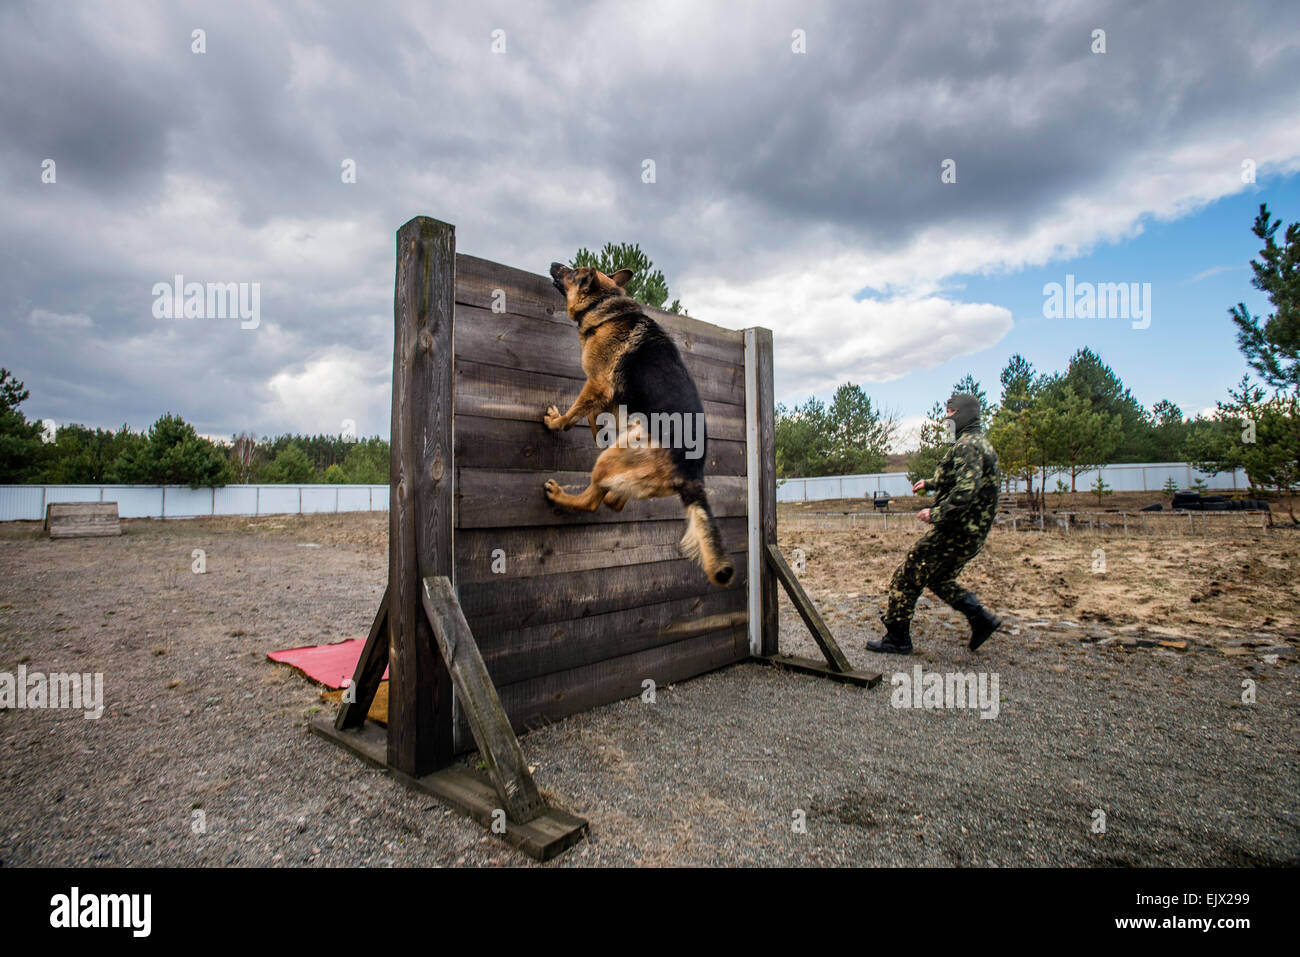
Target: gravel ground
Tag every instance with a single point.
(716, 772)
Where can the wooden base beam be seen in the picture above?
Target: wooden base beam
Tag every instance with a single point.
(548, 834)
(810, 666)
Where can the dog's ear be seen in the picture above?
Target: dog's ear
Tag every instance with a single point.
(622, 277)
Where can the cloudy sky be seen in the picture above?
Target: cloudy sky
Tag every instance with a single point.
(802, 191)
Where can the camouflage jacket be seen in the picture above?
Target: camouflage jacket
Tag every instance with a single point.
(966, 485)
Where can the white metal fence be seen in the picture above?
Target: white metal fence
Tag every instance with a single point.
(1135, 477)
(27, 502)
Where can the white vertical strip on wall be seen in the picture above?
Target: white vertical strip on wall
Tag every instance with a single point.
(753, 475)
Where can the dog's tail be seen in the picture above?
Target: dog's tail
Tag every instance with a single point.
(702, 541)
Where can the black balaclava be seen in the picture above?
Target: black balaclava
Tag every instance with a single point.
(966, 417)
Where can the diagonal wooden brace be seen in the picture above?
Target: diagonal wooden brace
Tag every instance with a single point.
(478, 698)
(837, 667)
(370, 671)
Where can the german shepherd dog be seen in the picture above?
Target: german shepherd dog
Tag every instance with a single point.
(631, 362)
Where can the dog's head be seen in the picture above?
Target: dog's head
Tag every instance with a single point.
(584, 287)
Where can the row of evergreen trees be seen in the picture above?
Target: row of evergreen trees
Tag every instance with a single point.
(1068, 421)
(171, 452)
(1063, 423)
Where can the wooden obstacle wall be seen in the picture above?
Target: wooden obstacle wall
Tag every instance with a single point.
(82, 519)
(529, 611)
(589, 606)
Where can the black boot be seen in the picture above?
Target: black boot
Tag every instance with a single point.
(982, 621)
(897, 640)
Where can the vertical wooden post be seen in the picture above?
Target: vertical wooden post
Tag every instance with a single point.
(755, 571)
(421, 496)
(769, 610)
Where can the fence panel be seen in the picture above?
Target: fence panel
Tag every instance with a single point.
(27, 502)
(236, 500)
(1123, 477)
(135, 501)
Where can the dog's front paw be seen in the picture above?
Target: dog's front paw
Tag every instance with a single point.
(554, 419)
(553, 490)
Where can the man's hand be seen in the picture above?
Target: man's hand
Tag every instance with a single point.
(924, 515)
(919, 487)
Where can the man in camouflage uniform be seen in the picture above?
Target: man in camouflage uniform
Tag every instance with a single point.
(966, 499)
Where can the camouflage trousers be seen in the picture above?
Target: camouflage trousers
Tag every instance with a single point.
(934, 562)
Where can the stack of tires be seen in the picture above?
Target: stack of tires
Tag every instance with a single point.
(1190, 501)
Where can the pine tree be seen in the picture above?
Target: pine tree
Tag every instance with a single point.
(1272, 348)
(20, 440)
(1072, 435)
(1104, 392)
(1252, 430)
(859, 435)
(173, 454)
(647, 284)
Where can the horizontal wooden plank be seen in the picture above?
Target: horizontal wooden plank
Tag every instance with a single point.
(489, 443)
(488, 499)
(531, 344)
(550, 550)
(525, 293)
(495, 606)
(500, 393)
(532, 294)
(540, 701)
(524, 653)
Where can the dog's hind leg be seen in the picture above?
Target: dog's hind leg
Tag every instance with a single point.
(587, 501)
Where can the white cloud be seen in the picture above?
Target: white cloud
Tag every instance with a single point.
(824, 336)
(1212, 271)
(57, 321)
(909, 433)
(337, 385)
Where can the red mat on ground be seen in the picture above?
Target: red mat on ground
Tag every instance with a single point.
(331, 665)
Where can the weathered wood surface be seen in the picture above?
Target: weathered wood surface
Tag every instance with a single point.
(479, 703)
(518, 654)
(501, 555)
(819, 669)
(496, 392)
(769, 600)
(496, 606)
(421, 498)
(82, 519)
(539, 701)
(369, 672)
(519, 444)
(490, 499)
(533, 295)
(530, 344)
(584, 596)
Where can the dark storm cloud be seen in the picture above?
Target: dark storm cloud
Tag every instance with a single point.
(225, 166)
